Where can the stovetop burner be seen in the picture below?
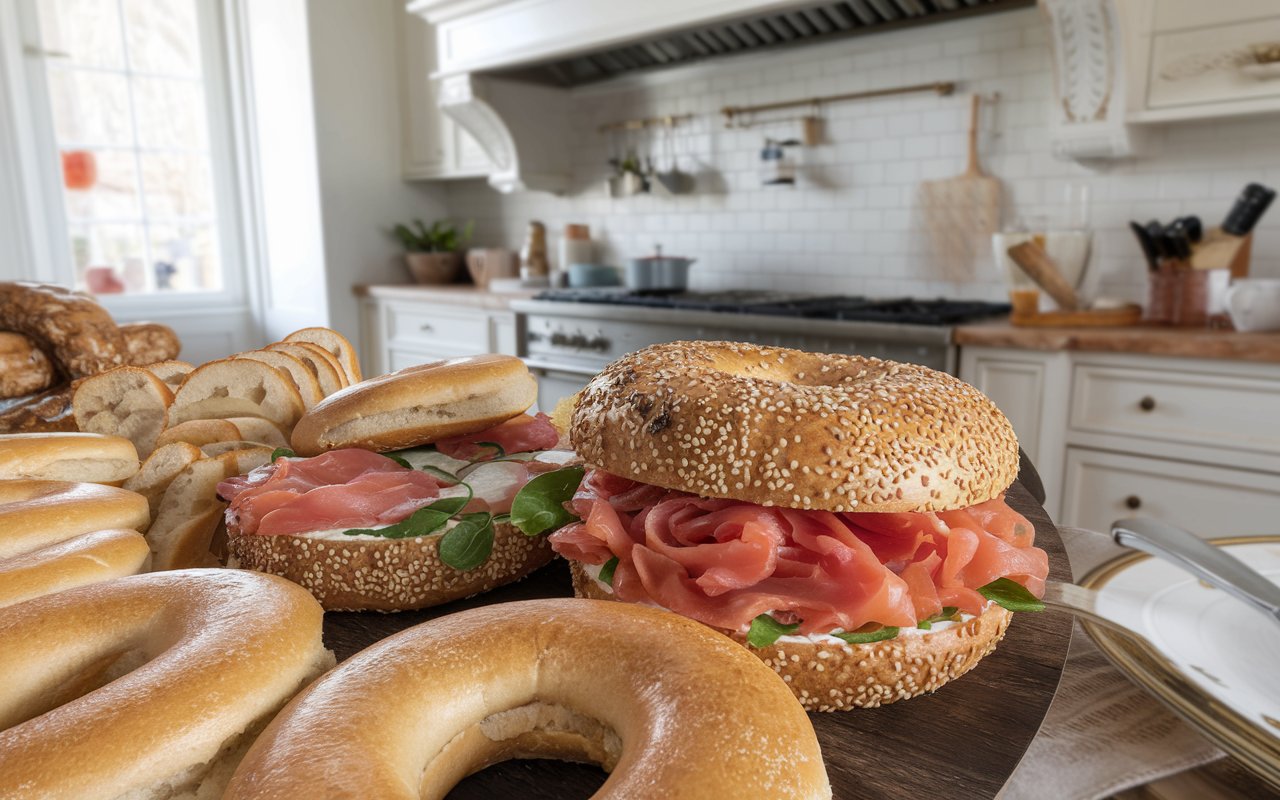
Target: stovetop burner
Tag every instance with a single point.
(787, 304)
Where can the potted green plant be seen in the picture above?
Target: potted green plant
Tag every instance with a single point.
(432, 254)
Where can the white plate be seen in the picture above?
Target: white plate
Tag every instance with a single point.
(1216, 660)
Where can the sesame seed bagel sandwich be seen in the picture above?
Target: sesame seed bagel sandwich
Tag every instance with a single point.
(842, 517)
(410, 489)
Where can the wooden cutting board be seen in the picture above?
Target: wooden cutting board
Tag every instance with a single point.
(962, 741)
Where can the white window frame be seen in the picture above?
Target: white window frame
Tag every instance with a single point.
(46, 215)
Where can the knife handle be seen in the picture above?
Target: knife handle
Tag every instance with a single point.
(1248, 209)
(1208, 563)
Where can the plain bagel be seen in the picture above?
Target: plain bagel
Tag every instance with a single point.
(644, 693)
(357, 573)
(774, 426)
(78, 561)
(418, 405)
(88, 457)
(832, 675)
(161, 702)
(35, 514)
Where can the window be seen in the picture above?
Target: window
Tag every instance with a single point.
(128, 95)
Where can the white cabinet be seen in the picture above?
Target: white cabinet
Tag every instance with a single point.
(403, 333)
(433, 146)
(1193, 59)
(1193, 442)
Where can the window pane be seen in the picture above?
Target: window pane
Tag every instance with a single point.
(86, 30)
(177, 185)
(161, 36)
(101, 183)
(108, 255)
(185, 258)
(90, 108)
(170, 113)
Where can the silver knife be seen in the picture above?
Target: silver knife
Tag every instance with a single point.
(1211, 564)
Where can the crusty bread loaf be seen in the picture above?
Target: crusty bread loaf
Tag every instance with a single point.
(200, 432)
(173, 373)
(149, 343)
(419, 405)
(127, 401)
(335, 343)
(88, 558)
(238, 387)
(835, 675)
(24, 368)
(71, 327)
(86, 457)
(46, 412)
(180, 536)
(302, 374)
(158, 471)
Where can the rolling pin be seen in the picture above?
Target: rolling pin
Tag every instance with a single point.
(1041, 269)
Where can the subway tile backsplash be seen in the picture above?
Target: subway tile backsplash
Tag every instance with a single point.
(851, 225)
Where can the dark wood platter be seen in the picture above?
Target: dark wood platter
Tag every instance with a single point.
(963, 741)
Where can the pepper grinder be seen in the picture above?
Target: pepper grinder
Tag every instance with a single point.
(533, 255)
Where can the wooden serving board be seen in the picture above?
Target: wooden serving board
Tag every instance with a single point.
(962, 741)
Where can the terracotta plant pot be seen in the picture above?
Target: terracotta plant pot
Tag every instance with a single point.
(433, 268)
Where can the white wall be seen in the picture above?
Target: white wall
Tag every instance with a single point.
(852, 226)
(355, 81)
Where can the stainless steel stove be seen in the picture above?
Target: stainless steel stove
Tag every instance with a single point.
(570, 334)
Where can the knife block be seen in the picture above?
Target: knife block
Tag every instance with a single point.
(1218, 250)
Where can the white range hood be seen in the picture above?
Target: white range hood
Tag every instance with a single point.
(523, 125)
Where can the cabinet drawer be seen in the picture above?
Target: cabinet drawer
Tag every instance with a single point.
(1220, 411)
(1209, 501)
(458, 333)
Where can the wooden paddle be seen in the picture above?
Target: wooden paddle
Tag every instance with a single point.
(961, 213)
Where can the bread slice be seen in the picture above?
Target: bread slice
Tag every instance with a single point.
(158, 471)
(189, 513)
(323, 365)
(200, 432)
(238, 387)
(81, 457)
(302, 374)
(126, 401)
(149, 342)
(256, 429)
(240, 458)
(335, 343)
(173, 373)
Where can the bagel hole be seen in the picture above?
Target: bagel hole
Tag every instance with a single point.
(91, 677)
(543, 736)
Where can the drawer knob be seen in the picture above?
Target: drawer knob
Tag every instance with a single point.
(1147, 403)
(426, 327)
(1133, 502)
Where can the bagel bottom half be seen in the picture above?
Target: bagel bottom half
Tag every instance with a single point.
(670, 709)
(834, 676)
(369, 573)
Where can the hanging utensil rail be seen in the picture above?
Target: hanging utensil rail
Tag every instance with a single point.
(730, 112)
(668, 121)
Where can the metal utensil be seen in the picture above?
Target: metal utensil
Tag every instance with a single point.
(1206, 562)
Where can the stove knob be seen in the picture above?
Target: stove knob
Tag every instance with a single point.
(559, 339)
(578, 340)
(599, 343)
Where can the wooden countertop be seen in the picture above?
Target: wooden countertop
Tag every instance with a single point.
(448, 294)
(1148, 340)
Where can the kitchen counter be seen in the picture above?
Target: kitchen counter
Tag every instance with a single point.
(449, 294)
(1156, 341)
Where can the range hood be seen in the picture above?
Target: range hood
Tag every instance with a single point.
(505, 65)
